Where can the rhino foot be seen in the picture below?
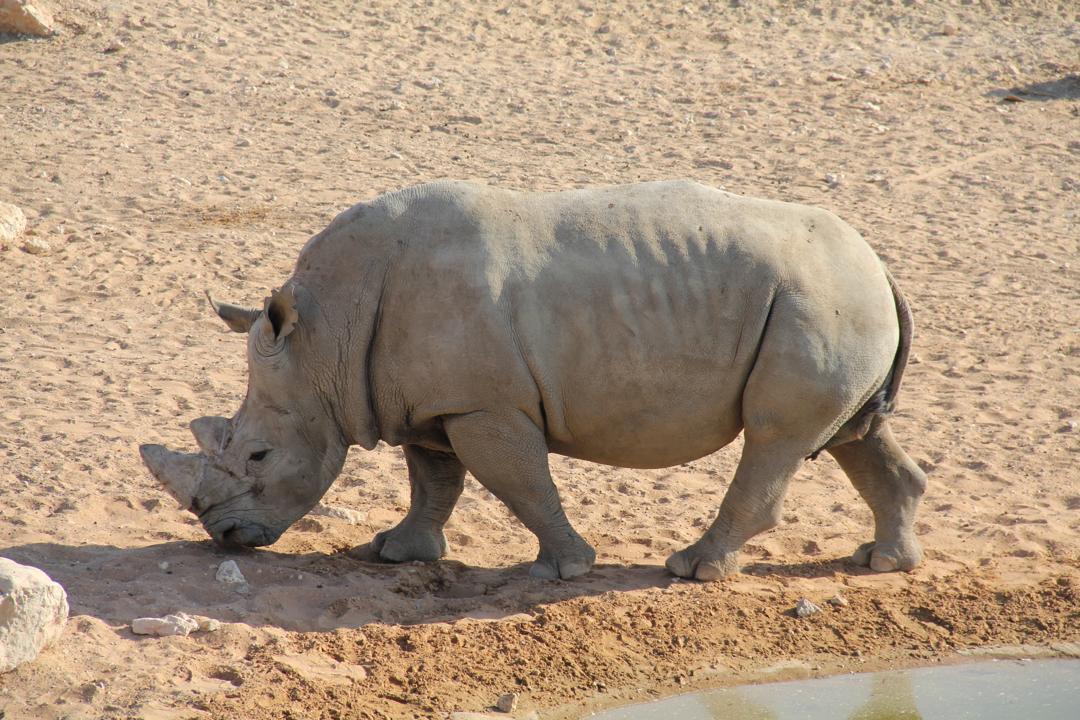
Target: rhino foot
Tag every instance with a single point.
(570, 564)
(696, 563)
(888, 556)
(403, 544)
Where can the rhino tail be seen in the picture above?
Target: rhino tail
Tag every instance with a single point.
(903, 350)
(883, 402)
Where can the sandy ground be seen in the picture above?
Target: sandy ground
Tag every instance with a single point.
(162, 149)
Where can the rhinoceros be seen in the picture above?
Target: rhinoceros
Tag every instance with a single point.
(639, 326)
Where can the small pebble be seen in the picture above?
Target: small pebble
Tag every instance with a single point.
(163, 565)
(353, 517)
(507, 703)
(838, 601)
(229, 573)
(37, 246)
(834, 179)
(805, 608)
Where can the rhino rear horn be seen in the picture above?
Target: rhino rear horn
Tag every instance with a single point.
(239, 319)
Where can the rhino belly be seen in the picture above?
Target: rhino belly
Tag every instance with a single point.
(654, 427)
(654, 391)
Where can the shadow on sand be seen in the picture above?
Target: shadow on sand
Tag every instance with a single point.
(1065, 88)
(303, 592)
(824, 568)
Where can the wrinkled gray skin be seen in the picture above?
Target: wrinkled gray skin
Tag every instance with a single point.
(639, 326)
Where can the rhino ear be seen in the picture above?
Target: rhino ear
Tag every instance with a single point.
(239, 319)
(281, 318)
(280, 308)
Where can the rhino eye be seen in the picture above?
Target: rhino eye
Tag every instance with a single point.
(257, 456)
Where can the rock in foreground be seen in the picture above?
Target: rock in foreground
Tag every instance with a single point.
(229, 573)
(12, 219)
(176, 624)
(25, 17)
(33, 610)
(805, 608)
(353, 517)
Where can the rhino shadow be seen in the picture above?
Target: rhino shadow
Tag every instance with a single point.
(303, 592)
(823, 568)
(1064, 88)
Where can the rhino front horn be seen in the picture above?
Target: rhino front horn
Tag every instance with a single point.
(177, 472)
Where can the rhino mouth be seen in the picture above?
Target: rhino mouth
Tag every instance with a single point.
(232, 534)
(231, 522)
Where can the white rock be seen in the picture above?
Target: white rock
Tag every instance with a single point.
(25, 17)
(353, 517)
(12, 220)
(230, 574)
(178, 624)
(805, 608)
(33, 610)
(174, 624)
(37, 246)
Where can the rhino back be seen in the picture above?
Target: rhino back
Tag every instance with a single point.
(642, 326)
(626, 320)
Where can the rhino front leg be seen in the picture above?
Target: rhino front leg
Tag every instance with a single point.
(892, 485)
(436, 480)
(507, 453)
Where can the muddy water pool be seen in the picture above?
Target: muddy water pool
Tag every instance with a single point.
(992, 690)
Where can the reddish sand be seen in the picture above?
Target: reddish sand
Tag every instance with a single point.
(162, 149)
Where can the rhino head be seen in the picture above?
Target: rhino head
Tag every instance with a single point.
(266, 467)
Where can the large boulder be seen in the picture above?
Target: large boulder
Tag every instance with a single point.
(25, 17)
(33, 610)
(12, 219)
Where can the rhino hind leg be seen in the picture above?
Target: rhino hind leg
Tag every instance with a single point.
(892, 485)
(751, 505)
(507, 453)
(436, 480)
(791, 405)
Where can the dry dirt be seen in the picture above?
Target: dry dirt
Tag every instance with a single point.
(161, 149)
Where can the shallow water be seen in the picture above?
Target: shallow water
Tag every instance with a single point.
(999, 690)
